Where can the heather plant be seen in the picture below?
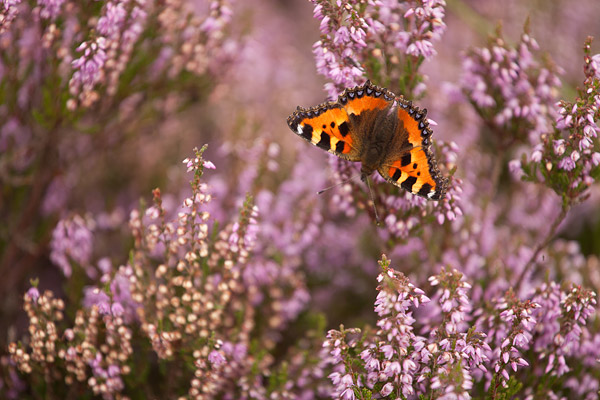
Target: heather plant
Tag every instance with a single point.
(249, 285)
(183, 296)
(80, 85)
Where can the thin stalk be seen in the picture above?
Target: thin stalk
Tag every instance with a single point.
(542, 245)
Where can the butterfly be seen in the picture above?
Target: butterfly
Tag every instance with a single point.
(385, 132)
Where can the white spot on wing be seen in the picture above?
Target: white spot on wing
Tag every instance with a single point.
(299, 129)
(431, 194)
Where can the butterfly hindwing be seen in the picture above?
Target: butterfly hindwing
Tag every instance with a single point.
(413, 172)
(414, 168)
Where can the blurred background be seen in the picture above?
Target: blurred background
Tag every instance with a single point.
(95, 158)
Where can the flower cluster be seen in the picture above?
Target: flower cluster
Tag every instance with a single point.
(337, 54)
(92, 353)
(72, 240)
(562, 319)
(8, 14)
(511, 89)
(395, 360)
(510, 332)
(567, 158)
(186, 287)
(361, 39)
(79, 84)
(194, 42)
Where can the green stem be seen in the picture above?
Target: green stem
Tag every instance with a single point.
(551, 233)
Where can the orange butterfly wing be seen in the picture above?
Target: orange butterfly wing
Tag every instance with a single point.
(415, 168)
(329, 125)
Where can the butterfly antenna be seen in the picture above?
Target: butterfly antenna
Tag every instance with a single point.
(338, 184)
(373, 201)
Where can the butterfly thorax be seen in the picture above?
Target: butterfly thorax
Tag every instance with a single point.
(381, 126)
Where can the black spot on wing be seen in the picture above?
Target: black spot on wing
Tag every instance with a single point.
(344, 129)
(397, 175)
(409, 182)
(332, 124)
(406, 159)
(425, 189)
(339, 146)
(325, 142)
(307, 131)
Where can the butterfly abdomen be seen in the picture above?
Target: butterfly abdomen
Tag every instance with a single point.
(380, 140)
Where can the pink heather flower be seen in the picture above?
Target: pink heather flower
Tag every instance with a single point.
(499, 74)
(338, 53)
(566, 163)
(8, 12)
(216, 358)
(50, 8)
(105, 265)
(117, 309)
(559, 147)
(111, 22)
(71, 241)
(237, 351)
(33, 293)
(386, 389)
(575, 156)
(89, 65)
(514, 166)
(595, 65)
(422, 48)
(96, 297)
(209, 165)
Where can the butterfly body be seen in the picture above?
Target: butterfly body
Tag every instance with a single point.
(384, 132)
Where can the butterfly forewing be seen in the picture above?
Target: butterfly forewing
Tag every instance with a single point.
(326, 126)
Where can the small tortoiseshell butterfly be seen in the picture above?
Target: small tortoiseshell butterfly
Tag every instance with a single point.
(384, 132)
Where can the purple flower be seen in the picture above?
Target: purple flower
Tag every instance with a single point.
(96, 297)
(501, 75)
(33, 293)
(71, 240)
(8, 12)
(117, 309)
(514, 166)
(566, 163)
(559, 147)
(120, 288)
(110, 24)
(50, 8)
(216, 358)
(595, 65)
(209, 165)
